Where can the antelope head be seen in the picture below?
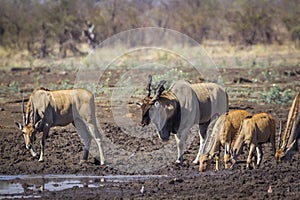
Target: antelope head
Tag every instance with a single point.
(29, 129)
(149, 101)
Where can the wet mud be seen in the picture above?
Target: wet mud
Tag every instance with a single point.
(55, 176)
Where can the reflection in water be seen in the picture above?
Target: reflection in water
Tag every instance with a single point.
(19, 186)
(11, 188)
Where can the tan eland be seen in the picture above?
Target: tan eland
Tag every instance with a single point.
(224, 133)
(289, 140)
(46, 109)
(254, 131)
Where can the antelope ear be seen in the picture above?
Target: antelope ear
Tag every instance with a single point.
(38, 125)
(157, 104)
(19, 125)
(232, 153)
(170, 107)
(291, 145)
(139, 103)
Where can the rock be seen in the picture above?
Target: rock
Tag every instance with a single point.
(63, 73)
(270, 189)
(19, 69)
(289, 73)
(242, 80)
(143, 190)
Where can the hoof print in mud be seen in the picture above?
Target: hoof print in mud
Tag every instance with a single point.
(83, 162)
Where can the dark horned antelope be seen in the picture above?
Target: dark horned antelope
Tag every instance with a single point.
(180, 107)
(289, 140)
(46, 109)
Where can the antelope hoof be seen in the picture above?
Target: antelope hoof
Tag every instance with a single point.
(98, 162)
(41, 160)
(179, 161)
(232, 164)
(196, 162)
(249, 167)
(33, 153)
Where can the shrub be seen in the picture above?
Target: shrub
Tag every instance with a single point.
(278, 95)
(295, 35)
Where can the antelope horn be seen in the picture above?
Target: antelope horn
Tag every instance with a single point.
(159, 90)
(291, 146)
(148, 88)
(280, 134)
(23, 112)
(289, 135)
(32, 113)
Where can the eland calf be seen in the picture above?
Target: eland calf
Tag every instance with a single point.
(254, 131)
(224, 133)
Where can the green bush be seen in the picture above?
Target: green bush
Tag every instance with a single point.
(278, 95)
(170, 76)
(14, 86)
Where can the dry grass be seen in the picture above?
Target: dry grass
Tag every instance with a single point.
(226, 55)
(222, 53)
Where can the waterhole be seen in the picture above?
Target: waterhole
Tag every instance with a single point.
(33, 186)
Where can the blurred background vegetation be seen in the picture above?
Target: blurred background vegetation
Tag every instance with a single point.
(40, 26)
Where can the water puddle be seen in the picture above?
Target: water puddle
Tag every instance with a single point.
(32, 186)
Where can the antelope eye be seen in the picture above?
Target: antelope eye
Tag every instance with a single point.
(157, 104)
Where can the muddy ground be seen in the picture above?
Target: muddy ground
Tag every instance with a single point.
(64, 149)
